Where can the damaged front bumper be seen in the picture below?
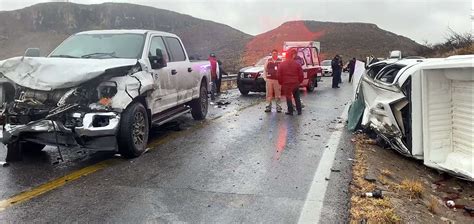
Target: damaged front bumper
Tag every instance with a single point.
(98, 131)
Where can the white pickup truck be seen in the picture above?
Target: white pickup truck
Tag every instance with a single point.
(99, 90)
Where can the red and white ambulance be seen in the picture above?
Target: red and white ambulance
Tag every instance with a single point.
(308, 56)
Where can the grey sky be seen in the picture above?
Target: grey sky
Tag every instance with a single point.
(417, 19)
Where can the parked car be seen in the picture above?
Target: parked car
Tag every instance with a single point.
(250, 79)
(326, 68)
(423, 108)
(100, 90)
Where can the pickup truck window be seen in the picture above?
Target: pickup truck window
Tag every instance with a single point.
(388, 74)
(158, 43)
(101, 46)
(175, 48)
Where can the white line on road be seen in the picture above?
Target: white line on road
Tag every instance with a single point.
(313, 205)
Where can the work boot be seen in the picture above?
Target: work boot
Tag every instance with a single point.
(279, 109)
(268, 109)
(299, 112)
(289, 113)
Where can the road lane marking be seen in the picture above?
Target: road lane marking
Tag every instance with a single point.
(313, 205)
(59, 182)
(51, 185)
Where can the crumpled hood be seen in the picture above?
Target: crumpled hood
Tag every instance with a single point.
(252, 69)
(46, 74)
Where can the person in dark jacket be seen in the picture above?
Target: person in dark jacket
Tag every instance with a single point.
(336, 71)
(219, 80)
(351, 66)
(290, 75)
(214, 75)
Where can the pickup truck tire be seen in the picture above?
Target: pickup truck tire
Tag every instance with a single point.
(32, 147)
(15, 150)
(199, 106)
(134, 128)
(311, 85)
(244, 92)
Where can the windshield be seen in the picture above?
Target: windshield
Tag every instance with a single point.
(261, 62)
(101, 46)
(326, 63)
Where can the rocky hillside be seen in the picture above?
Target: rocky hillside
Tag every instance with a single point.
(347, 39)
(46, 25)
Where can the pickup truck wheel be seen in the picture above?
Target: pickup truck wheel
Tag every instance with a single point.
(32, 147)
(311, 84)
(244, 92)
(200, 105)
(13, 152)
(134, 128)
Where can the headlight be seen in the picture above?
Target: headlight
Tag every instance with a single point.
(107, 90)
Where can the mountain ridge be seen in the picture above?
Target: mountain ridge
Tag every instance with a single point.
(45, 25)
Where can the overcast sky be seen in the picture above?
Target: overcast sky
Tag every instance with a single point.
(421, 20)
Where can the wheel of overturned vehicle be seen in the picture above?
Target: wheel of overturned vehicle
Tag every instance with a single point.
(134, 128)
(311, 85)
(244, 92)
(199, 106)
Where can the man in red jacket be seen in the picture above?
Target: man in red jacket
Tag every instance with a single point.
(290, 75)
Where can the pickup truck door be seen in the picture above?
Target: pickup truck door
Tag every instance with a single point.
(181, 70)
(165, 94)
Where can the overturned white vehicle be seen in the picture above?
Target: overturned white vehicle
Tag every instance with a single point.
(424, 108)
(99, 90)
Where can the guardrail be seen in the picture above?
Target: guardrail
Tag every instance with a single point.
(229, 82)
(229, 77)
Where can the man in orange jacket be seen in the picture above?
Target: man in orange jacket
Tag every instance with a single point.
(290, 75)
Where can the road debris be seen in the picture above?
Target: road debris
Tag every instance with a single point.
(374, 194)
(450, 204)
(223, 102)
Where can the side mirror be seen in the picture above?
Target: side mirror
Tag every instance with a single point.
(32, 52)
(157, 61)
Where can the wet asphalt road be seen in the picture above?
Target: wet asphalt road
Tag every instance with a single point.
(239, 166)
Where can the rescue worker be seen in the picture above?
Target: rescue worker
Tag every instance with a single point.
(351, 66)
(290, 75)
(336, 71)
(273, 88)
(214, 74)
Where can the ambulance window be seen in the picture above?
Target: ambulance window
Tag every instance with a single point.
(301, 58)
(307, 56)
(315, 56)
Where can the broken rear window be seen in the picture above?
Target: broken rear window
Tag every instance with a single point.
(101, 46)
